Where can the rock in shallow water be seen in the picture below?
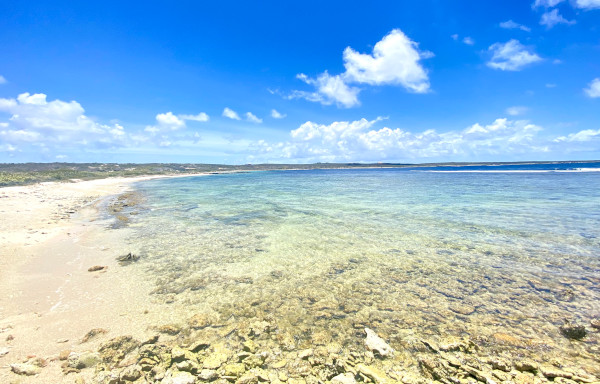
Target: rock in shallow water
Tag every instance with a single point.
(575, 332)
(377, 344)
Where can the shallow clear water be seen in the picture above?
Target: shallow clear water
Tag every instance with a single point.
(501, 258)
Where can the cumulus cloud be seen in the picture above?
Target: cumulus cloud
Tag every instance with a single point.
(277, 115)
(552, 18)
(2, 80)
(395, 60)
(231, 114)
(202, 117)
(593, 89)
(360, 141)
(170, 122)
(513, 25)
(329, 90)
(35, 120)
(516, 111)
(511, 56)
(585, 135)
(587, 4)
(252, 118)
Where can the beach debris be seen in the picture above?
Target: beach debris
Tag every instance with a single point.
(595, 323)
(97, 268)
(4, 351)
(93, 333)
(377, 344)
(127, 259)
(574, 332)
(114, 350)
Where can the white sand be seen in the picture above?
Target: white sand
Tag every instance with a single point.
(50, 234)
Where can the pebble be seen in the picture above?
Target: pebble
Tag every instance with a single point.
(214, 360)
(344, 378)
(26, 369)
(208, 375)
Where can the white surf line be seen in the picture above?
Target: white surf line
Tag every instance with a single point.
(579, 170)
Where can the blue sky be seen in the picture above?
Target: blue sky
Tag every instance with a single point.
(288, 82)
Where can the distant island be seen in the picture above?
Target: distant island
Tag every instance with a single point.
(30, 173)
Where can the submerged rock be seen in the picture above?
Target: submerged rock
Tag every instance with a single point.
(115, 349)
(343, 378)
(575, 332)
(377, 344)
(373, 373)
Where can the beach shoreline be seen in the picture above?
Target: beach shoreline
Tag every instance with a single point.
(50, 235)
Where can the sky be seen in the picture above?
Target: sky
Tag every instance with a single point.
(236, 82)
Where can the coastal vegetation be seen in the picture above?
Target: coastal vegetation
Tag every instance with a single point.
(31, 173)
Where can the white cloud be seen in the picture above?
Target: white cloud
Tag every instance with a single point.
(552, 18)
(202, 117)
(252, 118)
(513, 25)
(359, 141)
(547, 3)
(35, 120)
(330, 90)
(231, 114)
(587, 4)
(593, 89)
(2, 80)
(454, 37)
(277, 115)
(395, 60)
(511, 56)
(586, 135)
(469, 40)
(550, 85)
(516, 110)
(169, 120)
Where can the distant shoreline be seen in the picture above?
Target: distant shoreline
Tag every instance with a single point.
(12, 174)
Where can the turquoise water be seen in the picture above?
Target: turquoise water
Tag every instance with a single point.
(501, 258)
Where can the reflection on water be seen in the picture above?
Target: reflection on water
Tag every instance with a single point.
(501, 260)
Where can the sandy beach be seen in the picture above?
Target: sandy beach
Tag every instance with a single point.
(50, 235)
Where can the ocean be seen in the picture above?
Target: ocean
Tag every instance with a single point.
(494, 259)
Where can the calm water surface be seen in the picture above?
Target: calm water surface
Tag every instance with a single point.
(500, 258)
